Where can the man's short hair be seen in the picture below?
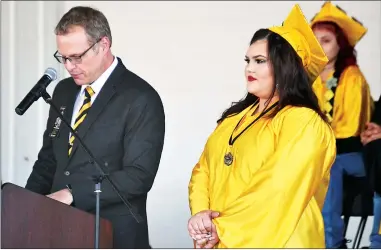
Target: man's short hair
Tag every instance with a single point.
(91, 20)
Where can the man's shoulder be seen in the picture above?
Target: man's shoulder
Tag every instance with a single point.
(135, 85)
(133, 80)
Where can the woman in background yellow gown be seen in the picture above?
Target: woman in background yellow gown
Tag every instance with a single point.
(263, 175)
(344, 96)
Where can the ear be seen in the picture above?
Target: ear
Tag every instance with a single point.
(105, 43)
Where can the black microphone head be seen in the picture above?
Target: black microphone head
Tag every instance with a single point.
(37, 91)
(51, 73)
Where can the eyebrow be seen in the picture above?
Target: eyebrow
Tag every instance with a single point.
(72, 55)
(257, 56)
(326, 37)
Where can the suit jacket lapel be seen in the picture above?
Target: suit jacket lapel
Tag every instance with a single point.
(107, 92)
(63, 139)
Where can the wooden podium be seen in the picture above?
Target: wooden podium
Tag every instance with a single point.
(30, 220)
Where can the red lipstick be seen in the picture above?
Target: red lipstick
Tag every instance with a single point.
(250, 78)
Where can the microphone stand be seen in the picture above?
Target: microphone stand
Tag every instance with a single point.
(97, 179)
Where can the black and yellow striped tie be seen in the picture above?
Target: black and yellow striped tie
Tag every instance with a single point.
(81, 114)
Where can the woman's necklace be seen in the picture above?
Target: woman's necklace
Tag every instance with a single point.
(228, 158)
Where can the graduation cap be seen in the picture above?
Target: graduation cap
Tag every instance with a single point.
(298, 33)
(353, 29)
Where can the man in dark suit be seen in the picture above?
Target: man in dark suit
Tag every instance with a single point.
(119, 116)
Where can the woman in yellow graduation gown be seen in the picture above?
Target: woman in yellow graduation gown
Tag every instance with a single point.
(263, 175)
(344, 96)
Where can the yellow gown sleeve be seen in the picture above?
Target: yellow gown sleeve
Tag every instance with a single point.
(199, 185)
(269, 209)
(355, 104)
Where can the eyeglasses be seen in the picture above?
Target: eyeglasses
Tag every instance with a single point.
(73, 59)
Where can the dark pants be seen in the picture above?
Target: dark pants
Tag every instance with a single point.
(350, 164)
(128, 234)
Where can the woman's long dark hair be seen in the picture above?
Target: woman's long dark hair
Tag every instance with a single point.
(293, 84)
(347, 53)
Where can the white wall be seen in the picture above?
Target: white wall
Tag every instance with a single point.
(27, 48)
(191, 52)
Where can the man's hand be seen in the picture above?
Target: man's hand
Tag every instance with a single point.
(63, 196)
(372, 132)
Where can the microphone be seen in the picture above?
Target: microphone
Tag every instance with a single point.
(36, 92)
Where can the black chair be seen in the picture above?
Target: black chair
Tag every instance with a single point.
(357, 202)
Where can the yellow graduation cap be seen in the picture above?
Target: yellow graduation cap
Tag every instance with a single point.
(298, 33)
(353, 29)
